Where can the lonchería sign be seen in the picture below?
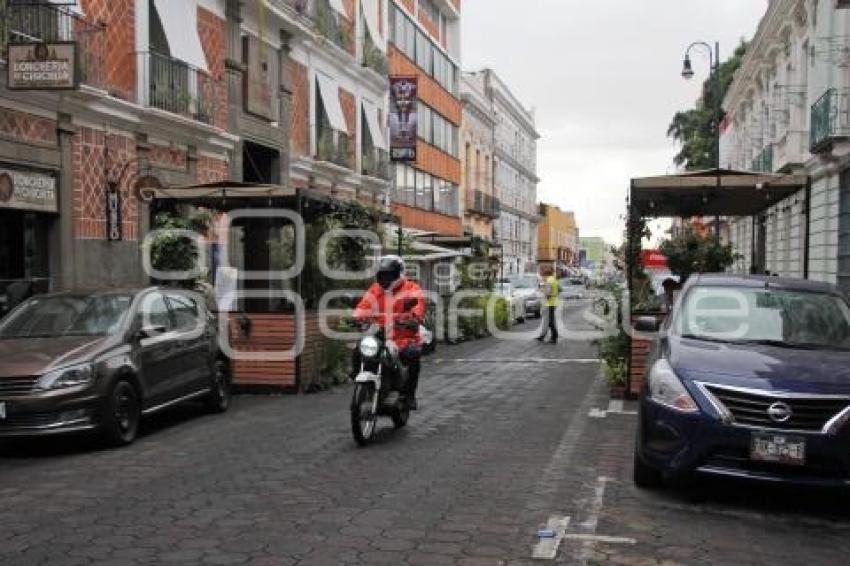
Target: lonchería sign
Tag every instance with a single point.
(43, 66)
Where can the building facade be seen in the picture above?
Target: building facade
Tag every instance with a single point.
(424, 42)
(788, 110)
(338, 74)
(146, 95)
(557, 237)
(481, 206)
(514, 173)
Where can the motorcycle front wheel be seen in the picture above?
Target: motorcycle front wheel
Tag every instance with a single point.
(400, 417)
(363, 418)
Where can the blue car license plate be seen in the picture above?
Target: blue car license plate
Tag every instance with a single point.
(778, 448)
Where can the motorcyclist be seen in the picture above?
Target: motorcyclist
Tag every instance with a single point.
(388, 303)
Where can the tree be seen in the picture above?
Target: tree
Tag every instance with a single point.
(695, 129)
(690, 252)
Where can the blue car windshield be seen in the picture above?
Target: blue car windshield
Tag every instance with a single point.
(784, 318)
(67, 315)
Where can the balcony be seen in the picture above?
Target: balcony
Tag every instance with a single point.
(174, 86)
(31, 21)
(328, 24)
(481, 203)
(830, 121)
(373, 58)
(334, 147)
(763, 162)
(376, 163)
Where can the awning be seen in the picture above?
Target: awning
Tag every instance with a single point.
(329, 91)
(180, 22)
(217, 190)
(717, 192)
(374, 124)
(372, 16)
(339, 6)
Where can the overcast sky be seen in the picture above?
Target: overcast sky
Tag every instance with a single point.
(604, 78)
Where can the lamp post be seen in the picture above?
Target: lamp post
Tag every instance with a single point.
(688, 74)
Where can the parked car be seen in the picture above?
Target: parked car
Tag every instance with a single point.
(527, 288)
(517, 303)
(749, 378)
(98, 361)
(572, 288)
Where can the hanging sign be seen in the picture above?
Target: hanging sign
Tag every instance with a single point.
(42, 66)
(403, 118)
(113, 213)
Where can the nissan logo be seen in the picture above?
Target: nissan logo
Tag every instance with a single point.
(779, 412)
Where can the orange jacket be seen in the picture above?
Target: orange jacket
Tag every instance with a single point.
(386, 306)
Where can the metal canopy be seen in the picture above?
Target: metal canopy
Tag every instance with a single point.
(715, 192)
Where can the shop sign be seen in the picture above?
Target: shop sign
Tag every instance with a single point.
(260, 78)
(113, 213)
(403, 118)
(42, 66)
(28, 190)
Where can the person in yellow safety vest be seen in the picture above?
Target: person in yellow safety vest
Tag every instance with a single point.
(551, 289)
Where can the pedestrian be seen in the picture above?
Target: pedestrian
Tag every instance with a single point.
(551, 291)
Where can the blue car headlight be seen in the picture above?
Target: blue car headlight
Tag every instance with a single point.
(665, 388)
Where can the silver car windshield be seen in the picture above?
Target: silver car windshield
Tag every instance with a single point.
(785, 318)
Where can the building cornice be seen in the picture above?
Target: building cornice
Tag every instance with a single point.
(507, 157)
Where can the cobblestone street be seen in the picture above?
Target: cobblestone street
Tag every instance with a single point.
(503, 442)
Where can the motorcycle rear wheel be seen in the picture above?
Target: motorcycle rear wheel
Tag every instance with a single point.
(363, 421)
(400, 417)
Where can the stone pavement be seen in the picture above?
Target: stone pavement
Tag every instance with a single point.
(504, 441)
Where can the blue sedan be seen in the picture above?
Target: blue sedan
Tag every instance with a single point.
(749, 378)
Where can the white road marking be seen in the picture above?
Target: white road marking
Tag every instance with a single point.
(547, 548)
(517, 361)
(592, 521)
(601, 538)
(615, 407)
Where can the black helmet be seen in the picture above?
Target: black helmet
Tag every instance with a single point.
(390, 269)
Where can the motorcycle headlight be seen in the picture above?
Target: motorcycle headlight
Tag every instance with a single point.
(666, 389)
(369, 347)
(73, 376)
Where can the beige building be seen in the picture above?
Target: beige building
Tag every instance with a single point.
(481, 207)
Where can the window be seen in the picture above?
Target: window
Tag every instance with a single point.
(424, 191)
(420, 48)
(425, 123)
(186, 312)
(154, 312)
(430, 10)
(424, 52)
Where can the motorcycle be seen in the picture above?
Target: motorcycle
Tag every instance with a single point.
(380, 380)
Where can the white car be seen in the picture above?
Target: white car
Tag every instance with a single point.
(572, 288)
(527, 288)
(507, 291)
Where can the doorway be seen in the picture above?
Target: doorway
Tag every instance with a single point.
(260, 164)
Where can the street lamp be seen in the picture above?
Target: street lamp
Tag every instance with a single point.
(688, 74)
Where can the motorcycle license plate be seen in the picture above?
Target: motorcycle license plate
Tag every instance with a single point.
(778, 448)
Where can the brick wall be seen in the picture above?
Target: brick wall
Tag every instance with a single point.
(299, 111)
(434, 161)
(349, 24)
(430, 25)
(211, 170)
(409, 5)
(349, 110)
(27, 127)
(429, 221)
(120, 61)
(211, 29)
(90, 164)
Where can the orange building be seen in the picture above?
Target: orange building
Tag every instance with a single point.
(424, 41)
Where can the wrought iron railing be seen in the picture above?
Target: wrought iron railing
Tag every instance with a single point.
(177, 87)
(328, 23)
(830, 120)
(376, 163)
(482, 203)
(374, 58)
(334, 147)
(30, 21)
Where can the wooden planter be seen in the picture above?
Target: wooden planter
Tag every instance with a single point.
(640, 355)
(275, 333)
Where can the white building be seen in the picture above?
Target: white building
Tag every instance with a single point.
(515, 174)
(788, 111)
